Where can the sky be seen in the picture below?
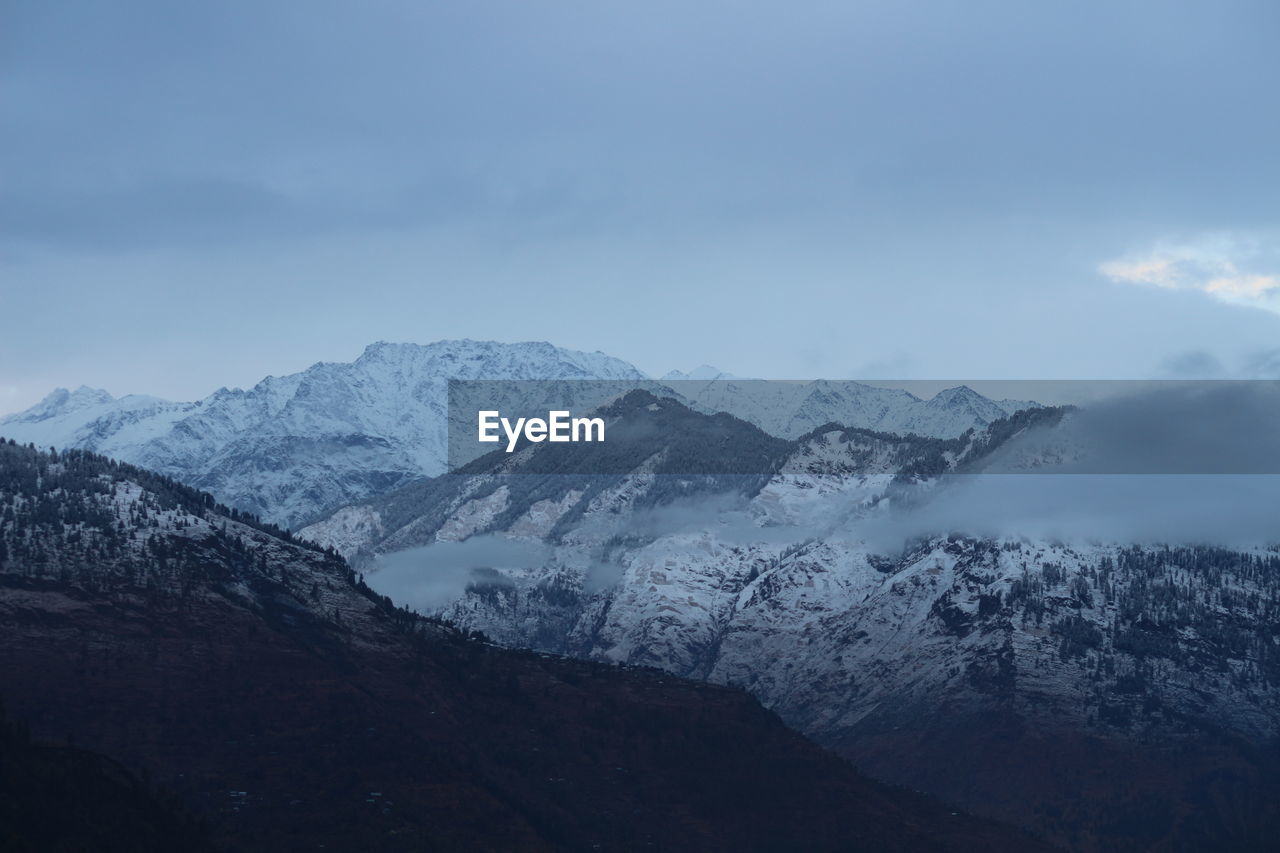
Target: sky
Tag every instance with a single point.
(199, 195)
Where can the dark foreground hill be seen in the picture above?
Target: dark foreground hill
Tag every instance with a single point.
(61, 798)
(292, 709)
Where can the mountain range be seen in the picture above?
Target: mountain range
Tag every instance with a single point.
(800, 541)
(293, 447)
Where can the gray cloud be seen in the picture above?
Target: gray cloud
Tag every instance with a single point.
(858, 179)
(1192, 364)
(1178, 462)
(712, 110)
(1225, 510)
(1170, 427)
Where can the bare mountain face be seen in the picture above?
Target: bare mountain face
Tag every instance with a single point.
(256, 678)
(1111, 695)
(294, 447)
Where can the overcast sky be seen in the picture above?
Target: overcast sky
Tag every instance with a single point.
(198, 195)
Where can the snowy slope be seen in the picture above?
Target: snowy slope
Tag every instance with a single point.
(293, 446)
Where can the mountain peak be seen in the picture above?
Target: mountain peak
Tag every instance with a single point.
(956, 393)
(60, 401)
(963, 397)
(702, 371)
(473, 349)
(383, 350)
(638, 398)
(85, 396)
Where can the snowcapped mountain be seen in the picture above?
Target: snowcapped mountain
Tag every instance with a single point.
(1037, 660)
(293, 446)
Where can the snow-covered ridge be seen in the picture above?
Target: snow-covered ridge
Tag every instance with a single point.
(295, 445)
